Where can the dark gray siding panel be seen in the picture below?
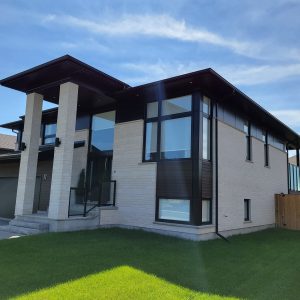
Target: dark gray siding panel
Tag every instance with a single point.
(174, 179)
(207, 180)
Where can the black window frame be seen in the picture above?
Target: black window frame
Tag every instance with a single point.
(49, 136)
(161, 118)
(248, 142)
(210, 211)
(266, 150)
(247, 212)
(208, 116)
(171, 220)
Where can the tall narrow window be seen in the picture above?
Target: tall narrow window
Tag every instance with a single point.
(102, 137)
(247, 210)
(49, 134)
(206, 211)
(151, 131)
(247, 130)
(266, 148)
(206, 128)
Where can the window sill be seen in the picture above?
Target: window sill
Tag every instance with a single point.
(108, 207)
(268, 167)
(184, 225)
(247, 222)
(147, 163)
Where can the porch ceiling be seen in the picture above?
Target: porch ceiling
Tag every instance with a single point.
(95, 87)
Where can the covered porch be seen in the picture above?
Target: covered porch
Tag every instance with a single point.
(75, 87)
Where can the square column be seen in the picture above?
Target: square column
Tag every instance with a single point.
(29, 157)
(63, 155)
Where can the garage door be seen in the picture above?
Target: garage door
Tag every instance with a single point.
(8, 193)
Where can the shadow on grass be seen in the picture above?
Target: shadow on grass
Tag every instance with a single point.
(264, 265)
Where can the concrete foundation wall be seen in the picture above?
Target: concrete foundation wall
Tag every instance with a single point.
(240, 179)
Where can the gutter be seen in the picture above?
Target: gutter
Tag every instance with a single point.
(217, 180)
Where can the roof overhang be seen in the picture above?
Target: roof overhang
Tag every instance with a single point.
(214, 85)
(95, 87)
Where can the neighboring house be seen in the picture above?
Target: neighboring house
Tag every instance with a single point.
(7, 143)
(190, 155)
(293, 160)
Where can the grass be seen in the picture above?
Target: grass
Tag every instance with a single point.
(124, 264)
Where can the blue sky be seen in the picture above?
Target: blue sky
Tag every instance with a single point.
(253, 44)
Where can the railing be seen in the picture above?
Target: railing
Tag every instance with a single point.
(82, 201)
(294, 178)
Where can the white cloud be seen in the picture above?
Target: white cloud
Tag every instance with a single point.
(252, 75)
(236, 74)
(165, 26)
(162, 26)
(289, 117)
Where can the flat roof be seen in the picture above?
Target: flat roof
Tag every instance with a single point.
(209, 82)
(98, 89)
(95, 86)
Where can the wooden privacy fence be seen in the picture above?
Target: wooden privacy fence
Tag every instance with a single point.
(287, 210)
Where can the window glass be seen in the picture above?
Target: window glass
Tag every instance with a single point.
(229, 117)
(246, 127)
(263, 137)
(239, 122)
(176, 138)
(49, 134)
(206, 105)
(246, 209)
(174, 209)
(151, 140)
(102, 137)
(206, 138)
(177, 105)
(206, 208)
(152, 110)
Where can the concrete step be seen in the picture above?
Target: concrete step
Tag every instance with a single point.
(33, 219)
(5, 228)
(23, 230)
(33, 225)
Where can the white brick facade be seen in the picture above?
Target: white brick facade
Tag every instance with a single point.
(63, 155)
(239, 180)
(29, 157)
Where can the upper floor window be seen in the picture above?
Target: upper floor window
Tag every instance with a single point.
(168, 129)
(266, 148)
(102, 131)
(247, 130)
(206, 128)
(49, 134)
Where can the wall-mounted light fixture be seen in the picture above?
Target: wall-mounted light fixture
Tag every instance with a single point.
(57, 142)
(22, 146)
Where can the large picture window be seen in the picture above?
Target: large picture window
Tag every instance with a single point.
(174, 209)
(168, 129)
(176, 138)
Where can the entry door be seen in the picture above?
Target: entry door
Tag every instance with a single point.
(99, 175)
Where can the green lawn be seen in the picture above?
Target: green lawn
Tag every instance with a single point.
(124, 264)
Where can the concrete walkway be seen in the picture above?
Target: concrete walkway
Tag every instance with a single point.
(5, 234)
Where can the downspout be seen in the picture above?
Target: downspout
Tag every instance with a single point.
(217, 179)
